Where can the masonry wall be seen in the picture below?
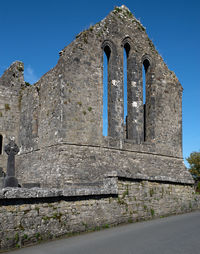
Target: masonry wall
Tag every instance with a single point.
(56, 166)
(65, 107)
(69, 100)
(11, 85)
(58, 124)
(30, 220)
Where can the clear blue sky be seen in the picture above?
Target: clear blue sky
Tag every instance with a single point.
(35, 31)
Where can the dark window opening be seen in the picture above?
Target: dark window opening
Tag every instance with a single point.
(125, 71)
(1, 144)
(146, 65)
(127, 49)
(125, 85)
(107, 51)
(106, 57)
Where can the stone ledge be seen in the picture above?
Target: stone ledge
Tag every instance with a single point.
(143, 177)
(114, 144)
(108, 186)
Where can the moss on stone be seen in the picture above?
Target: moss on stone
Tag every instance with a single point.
(7, 107)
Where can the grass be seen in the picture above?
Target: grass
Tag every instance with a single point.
(152, 212)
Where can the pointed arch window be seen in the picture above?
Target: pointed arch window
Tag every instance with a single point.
(126, 90)
(146, 65)
(125, 69)
(106, 57)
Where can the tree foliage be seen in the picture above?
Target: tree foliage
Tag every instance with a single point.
(194, 161)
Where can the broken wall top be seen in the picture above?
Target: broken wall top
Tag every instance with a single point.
(67, 102)
(66, 105)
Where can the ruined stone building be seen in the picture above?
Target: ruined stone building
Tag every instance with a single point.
(82, 178)
(58, 121)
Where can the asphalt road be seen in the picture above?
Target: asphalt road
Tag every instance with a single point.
(172, 235)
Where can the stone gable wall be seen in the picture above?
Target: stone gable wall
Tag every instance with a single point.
(89, 181)
(68, 105)
(65, 108)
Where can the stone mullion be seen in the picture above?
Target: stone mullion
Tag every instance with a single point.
(115, 97)
(150, 107)
(135, 102)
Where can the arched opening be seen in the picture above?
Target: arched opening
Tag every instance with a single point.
(125, 71)
(146, 65)
(106, 57)
(1, 144)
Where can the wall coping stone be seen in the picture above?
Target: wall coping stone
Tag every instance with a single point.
(108, 186)
(143, 177)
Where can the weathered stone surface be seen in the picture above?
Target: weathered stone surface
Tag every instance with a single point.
(11, 85)
(2, 176)
(88, 180)
(81, 163)
(1, 182)
(60, 125)
(31, 221)
(10, 181)
(31, 185)
(11, 149)
(108, 186)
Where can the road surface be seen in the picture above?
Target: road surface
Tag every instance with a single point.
(171, 235)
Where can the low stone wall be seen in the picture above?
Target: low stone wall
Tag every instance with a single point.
(30, 215)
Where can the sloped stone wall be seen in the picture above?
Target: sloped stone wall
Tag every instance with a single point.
(30, 216)
(56, 166)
